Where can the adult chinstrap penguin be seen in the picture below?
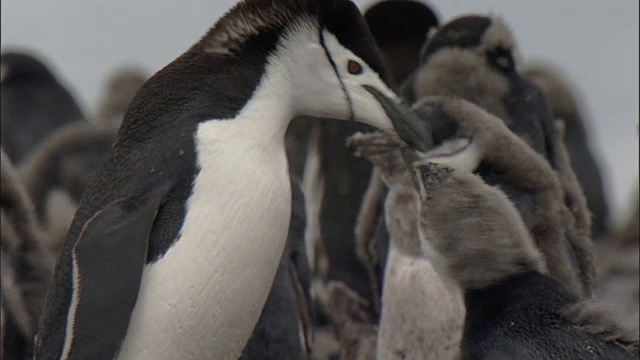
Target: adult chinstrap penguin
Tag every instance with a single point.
(176, 242)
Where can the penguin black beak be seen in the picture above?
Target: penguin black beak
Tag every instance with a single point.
(411, 128)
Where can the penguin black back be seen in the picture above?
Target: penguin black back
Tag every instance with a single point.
(524, 318)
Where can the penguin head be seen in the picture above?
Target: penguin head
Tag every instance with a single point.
(475, 58)
(472, 57)
(317, 57)
(15, 65)
(346, 78)
(488, 38)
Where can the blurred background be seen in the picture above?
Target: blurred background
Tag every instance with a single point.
(594, 43)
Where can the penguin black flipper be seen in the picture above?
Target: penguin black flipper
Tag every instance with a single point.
(108, 259)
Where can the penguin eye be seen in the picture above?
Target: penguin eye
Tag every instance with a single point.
(354, 67)
(501, 59)
(503, 62)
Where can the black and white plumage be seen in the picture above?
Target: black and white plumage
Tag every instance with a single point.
(472, 57)
(176, 242)
(34, 103)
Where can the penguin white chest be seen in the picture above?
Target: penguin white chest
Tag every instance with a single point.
(204, 297)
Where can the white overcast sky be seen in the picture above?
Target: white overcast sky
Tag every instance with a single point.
(594, 42)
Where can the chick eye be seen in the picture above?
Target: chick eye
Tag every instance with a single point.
(354, 67)
(503, 62)
(502, 59)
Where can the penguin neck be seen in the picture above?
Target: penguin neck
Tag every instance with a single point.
(268, 113)
(276, 99)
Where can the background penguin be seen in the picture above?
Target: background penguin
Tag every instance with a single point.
(198, 179)
(564, 106)
(513, 310)
(400, 28)
(26, 265)
(33, 103)
(421, 318)
(471, 57)
(121, 86)
(58, 171)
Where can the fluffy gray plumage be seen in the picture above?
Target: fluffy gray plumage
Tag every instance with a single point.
(473, 58)
(566, 107)
(471, 230)
(59, 170)
(421, 318)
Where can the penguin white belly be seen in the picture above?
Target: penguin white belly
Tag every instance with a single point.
(204, 297)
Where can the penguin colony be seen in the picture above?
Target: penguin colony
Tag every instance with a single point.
(316, 184)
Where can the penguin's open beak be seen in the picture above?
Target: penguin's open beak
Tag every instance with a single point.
(411, 128)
